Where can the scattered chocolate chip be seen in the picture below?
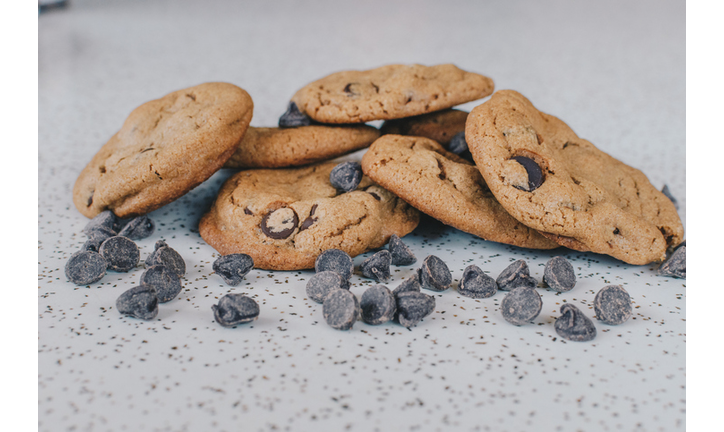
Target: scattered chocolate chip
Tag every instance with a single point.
(279, 224)
(310, 220)
(665, 190)
(335, 260)
(521, 305)
(675, 265)
(514, 276)
(378, 305)
(166, 283)
(293, 117)
(612, 305)
(401, 254)
(476, 284)
(138, 228)
(559, 274)
(233, 267)
(377, 266)
(85, 267)
(166, 256)
(234, 309)
(121, 253)
(105, 221)
(322, 283)
(535, 174)
(139, 302)
(413, 306)
(94, 243)
(412, 283)
(574, 325)
(340, 309)
(346, 176)
(434, 274)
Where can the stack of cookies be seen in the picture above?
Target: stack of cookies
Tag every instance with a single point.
(504, 172)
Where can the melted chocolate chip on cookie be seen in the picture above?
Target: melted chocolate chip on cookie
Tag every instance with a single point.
(280, 223)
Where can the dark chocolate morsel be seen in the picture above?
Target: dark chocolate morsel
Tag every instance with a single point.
(346, 176)
(535, 174)
(85, 267)
(167, 256)
(233, 267)
(348, 90)
(413, 306)
(335, 260)
(521, 305)
(377, 266)
(310, 220)
(323, 283)
(665, 190)
(293, 117)
(574, 325)
(458, 144)
(247, 211)
(121, 253)
(434, 274)
(340, 309)
(476, 284)
(104, 222)
(138, 228)
(378, 305)
(612, 305)
(412, 283)
(514, 276)
(559, 274)
(280, 223)
(675, 265)
(234, 309)
(164, 280)
(401, 254)
(139, 302)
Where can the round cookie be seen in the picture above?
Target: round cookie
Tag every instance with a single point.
(561, 185)
(286, 147)
(285, 218)
(446, 187)
(165, 148)
(389, 92)
(440, 126)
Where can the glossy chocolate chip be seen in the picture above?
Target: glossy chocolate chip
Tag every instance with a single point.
(279, 224)
(434, 274)
(612, 305)
(138, 228)
(335, 260)
(340, 309)
(139, 302)
(535, 174)
(346, 176)
(400, 253)
(105, 222)
(675, 265)
(574, 325)
(412, 283)
(322, 283)
(413, 306)
(377, 266)
(164, 255)
(234, 309)
(476, 284)
(164, 280)
(293, 117)
(85, 267)
(514, 276)
(521, 305)
(559, 274)
(378, 305)
(121, 253)
(233, 267)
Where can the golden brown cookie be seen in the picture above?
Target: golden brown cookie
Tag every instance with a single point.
(389, 92)
(165, 148)
(285, 218)
(446, 187)
(440, 126)
(557, 183)
(287, 147)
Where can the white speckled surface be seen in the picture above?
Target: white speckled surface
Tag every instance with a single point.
(614, 71)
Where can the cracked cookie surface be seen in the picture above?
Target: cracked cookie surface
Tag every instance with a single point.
(440, 126)
(287, 147)
(446, 187)
(285, 218)
(563, 186)
(389, 92)
(165, 148)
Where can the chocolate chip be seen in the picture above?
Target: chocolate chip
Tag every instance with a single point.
(514, 276)
(612, 305)
(234, 309)
(378, 305)
(85, 267)
(166, 256)
(139, 302)
(412, 283)
(121, 253)
(279, 224)
(377, 266)
(293, 117)
(106, 221)
(665, 190)
(138, 228)
(335, 260)
(476, 284)
(521, 305)
(346, 176)
(322, 283)
(348, 90)
(401, 254)
(310, 220)
(166, 283)
(94, 243)
(413, 306)
(459, 146)
(247, 211)
(574, 325)
(675, 265)
(233, 267)
(559, 274)
(535, 174)
(340, 309)
(434, 274)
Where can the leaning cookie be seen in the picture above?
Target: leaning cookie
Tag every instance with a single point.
(165, 148)
(285, 218)
(440, 126)
(559, 184)
(389, 92)
(289, 147)
(446, 187)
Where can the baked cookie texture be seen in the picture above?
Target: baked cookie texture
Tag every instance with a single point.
(446, 187)
(389, 92)
(165, 148)
(285, 218)
(566, 188)
(274, 147)
(440, 126)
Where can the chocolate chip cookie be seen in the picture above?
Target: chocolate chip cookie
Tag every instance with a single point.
(446, 187)
(563, 186)
(165, 148)
(389, 92)
(440, 126)
(285, 218)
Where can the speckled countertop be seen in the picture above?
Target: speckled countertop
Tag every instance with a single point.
(614, 71)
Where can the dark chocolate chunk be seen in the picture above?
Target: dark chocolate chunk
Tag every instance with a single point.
(94, 243)
(412, 283)
(166, 283)
(234, 309)
(377, 266)
(535, 174)
(340, 309)
(106, 221)
(401, 254)
(139, 302)
(514, 276)
(121, 253)
(335, 260)
(233, 267)
(293, 117)
(434, 274)
(322, 283)
(612, 305)
(166, 256)
(348, 90)
(85, 267)
(138, 228)
(310, 220)
(521, 305)
(574, 325)
(665, 190)
(559, 274)
(476, 284)
(413, 306)
(459, 146)
(378, 305)
(675, 265)
(346, 176)
(280, 223)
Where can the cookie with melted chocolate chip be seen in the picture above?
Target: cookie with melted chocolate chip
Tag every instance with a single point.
(285, 218)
